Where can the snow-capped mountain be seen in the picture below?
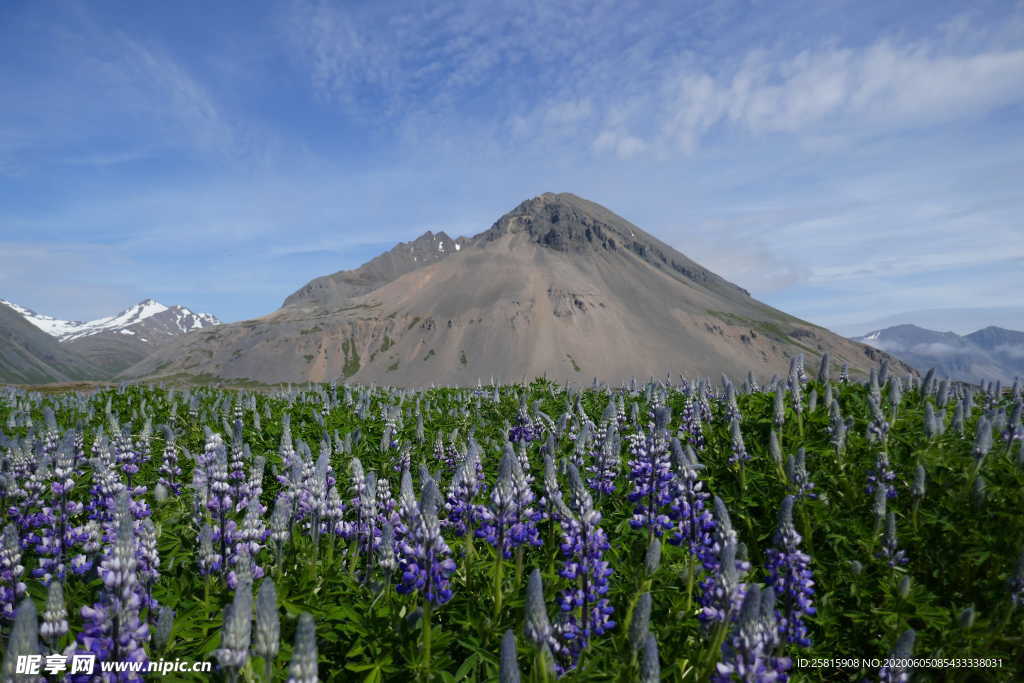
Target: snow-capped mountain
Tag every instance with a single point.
(115, 342)
(153, 315)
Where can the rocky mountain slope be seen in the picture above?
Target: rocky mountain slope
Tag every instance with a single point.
(116, 342)
(558, 287)
(30, 356)
(989, 354)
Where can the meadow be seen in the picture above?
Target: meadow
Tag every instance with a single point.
(811, 528)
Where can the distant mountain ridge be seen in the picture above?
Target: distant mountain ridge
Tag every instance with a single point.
(989, 354)
(108, 345)
(559, 286)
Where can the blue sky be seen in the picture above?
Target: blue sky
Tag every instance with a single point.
(844, 161)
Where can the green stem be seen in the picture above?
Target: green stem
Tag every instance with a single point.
(426, 636)
(691, 571)
(715, 652)
(519, 565)
(498, 576)
(805, 522)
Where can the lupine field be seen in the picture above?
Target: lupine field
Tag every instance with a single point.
(674, 530)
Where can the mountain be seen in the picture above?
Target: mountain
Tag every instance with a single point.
(30, 356)
(989, 354)
(404, 257)
(113, 343)
(559, 286)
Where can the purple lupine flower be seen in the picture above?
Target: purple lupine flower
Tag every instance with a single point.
(164, 626)
(113, 629)
(585, 611)
(12, 589)
(739, 450)
(22, 642)
(779, 408)
(236, 631)
(552, 501)
(730, 409)
(749, 652)
(447, 456)
(149, 561)
(247, 541)
(365, 529)
(210, 561)
(982, 438)
(651, 474)
(508, 521)
(882, 476)
(693, 524)
(266, 637)
(891, 551)
(878, 427)
(236, 463)
(796, 473)
(508, 671)
(57, 534)
(304, 667)
(537, 627)
(280, 524)
(722, 590)
(790, 575)
(844, 374)
(606, 461)
(903, 651)
(690, 429)
(387, 506)
(55, 616)
(523, 430)
(170, 471)
(424, 557)
(463, 490)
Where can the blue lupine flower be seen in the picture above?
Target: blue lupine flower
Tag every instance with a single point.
(694, 526)
(523, 430)
(723, 589)
(690, 429)
(891, 551)
(790, 575)
(796, 472)
(882, 475)
(903, 651)
(586, 612)
(12, 589)
(113, 629)
(748, 654)
(424, 556)
(651, 474)
(738, 453)
(509, 520)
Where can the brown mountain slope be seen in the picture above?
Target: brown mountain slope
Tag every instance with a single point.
(559, 286)
(404, 257)
(30, 356)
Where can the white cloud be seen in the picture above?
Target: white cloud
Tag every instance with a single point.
(936, 349)
(1011, 350)
(851, 91)
(624, 145)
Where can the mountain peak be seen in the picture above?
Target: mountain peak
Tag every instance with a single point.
(568, 223)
